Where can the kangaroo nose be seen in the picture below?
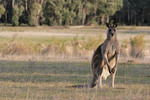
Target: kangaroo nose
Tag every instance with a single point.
(112, 34)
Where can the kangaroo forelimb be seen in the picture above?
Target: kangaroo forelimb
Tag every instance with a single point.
(114, 68)
(104, 55)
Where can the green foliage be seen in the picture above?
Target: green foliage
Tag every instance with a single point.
(134, 12)
(31, 20)
(53, 12)
(2, 10)
(77, 12)
(93, 22)
(15, 18)
(17, 12)
(138, 45)
(66, 17)
(108, 8)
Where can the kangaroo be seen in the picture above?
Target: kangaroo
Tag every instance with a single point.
(105, 59)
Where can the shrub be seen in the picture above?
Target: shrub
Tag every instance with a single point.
(124, 50)
(62, 49)
(94, 22)
(137, 46)
(75, 44)
(93, 42)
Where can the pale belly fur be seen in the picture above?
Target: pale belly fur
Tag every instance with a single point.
(105, 72)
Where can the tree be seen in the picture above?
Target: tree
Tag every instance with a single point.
(86, 9)
(53, 12)
(15, 18)
(17, 12)
(35, 13)
(76, 12)
(26, 5)
(13, 3)
(107, 8)
(2, 10)
(134, 12)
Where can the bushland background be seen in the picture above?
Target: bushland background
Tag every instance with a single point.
(74, 12)
(46, 45)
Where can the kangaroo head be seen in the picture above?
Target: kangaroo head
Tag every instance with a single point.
(111, 30)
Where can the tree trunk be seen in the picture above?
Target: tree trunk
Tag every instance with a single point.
(123, 19)
(26, 5)
(13, 3)
(5, 18)
(80, 13)
(83, 16)
(107, 20)
(102, 19)
(84, 12)
(71, 21)
(128, 16)
(42, 2)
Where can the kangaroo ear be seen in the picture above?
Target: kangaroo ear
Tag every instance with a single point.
(108, 25)
(115, 25)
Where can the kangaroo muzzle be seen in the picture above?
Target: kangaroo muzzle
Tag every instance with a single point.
(112, 34)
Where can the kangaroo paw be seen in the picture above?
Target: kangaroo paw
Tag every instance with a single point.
(112, 70)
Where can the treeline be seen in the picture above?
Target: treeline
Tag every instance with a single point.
(134, 12)
(74, 12)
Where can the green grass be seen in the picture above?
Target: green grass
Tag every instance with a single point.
(48, 80)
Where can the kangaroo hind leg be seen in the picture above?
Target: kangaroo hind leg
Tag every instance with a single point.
(113, 79)
(100, 81)
(99, 75)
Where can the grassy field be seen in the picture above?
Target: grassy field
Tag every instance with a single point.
(26, 75)
(49, 80)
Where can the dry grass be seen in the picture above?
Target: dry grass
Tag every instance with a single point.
(49, 46)
(59, 40)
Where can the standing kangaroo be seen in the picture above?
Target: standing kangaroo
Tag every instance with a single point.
(105, 59)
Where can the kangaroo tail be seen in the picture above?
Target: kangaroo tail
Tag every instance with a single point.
(79, 86)
(90, 85)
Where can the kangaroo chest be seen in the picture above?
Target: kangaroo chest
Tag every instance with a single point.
(112, 48)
